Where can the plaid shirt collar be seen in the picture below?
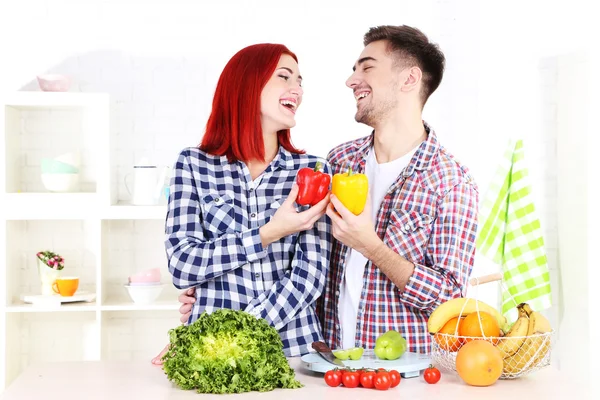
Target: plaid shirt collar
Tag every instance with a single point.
(421, 160)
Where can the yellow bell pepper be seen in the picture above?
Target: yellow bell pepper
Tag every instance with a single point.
(351, 189)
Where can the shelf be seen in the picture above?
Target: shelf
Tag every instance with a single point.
(129, 306)
(93, 306)
(32, 206)
(126, 211)
(66, 307)
(103, 239)
(44, 206)
(52, 100)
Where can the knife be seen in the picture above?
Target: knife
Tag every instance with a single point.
(325, 352)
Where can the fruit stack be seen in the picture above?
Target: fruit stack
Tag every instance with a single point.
(474, 339)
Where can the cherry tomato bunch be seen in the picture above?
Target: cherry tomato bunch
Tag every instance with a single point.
(379, 379)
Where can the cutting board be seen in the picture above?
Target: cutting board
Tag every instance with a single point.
(409, 365)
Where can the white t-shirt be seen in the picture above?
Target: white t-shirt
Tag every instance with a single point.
(381, 177)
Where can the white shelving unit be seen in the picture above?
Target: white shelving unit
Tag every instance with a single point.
(101, 237)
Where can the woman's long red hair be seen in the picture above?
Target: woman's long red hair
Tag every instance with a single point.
(233, 128)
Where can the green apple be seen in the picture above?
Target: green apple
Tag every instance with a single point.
(390, 346)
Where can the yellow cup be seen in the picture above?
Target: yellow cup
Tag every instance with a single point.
(66, 286)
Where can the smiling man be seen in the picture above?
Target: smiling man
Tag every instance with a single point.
(413, 246)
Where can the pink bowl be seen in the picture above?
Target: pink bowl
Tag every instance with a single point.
(146, 276)
(54, 83)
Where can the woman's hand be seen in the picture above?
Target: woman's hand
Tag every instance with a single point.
(287, 220)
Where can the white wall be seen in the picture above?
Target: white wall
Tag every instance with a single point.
(160, 61)
(592, 142)
(572, 204)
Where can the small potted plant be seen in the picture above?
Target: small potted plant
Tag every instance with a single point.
(49, 266)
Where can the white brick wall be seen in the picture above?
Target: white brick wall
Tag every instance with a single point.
(139, 336)
(49, 134)
(44, 340)
(71, 239)
(132, 246)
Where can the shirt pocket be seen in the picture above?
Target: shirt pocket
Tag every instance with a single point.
(218, 213)
(408, 233)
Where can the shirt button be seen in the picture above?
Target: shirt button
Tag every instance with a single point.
(407, 227)
(257, 275)
(337, 293)
(217, 200)
(253, 215)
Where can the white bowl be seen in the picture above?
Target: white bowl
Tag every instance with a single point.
(60, 182)
(144, 294)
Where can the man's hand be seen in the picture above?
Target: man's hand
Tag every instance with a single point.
(158, 359)
(287, 220)
(355, 231)
(187, 299)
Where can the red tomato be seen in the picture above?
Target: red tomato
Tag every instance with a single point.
(333, 377)
(432, 375)
(395, 378)
(366, 379)
(350, 379)
(382, 381)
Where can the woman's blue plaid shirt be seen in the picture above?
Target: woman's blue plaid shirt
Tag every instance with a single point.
(213, 243)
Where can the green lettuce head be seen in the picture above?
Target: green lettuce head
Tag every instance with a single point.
(228, 351)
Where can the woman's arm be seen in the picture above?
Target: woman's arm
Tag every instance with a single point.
(304, 281)
(193, 259)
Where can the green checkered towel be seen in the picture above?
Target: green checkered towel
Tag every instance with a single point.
(510, 235)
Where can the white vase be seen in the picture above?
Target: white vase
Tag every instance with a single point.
(47, 277)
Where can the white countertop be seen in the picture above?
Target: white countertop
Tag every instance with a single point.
(115, 380)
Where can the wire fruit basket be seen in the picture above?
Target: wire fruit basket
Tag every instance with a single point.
(524, 349)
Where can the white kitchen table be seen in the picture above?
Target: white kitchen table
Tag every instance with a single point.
(115, 380)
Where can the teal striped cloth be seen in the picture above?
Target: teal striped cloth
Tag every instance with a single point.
(510, 234)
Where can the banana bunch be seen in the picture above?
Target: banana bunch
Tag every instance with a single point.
(461, 306)
(524, 346)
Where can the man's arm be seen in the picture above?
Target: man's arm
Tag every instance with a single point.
(451, 247)
(357, 232)
(397, 268)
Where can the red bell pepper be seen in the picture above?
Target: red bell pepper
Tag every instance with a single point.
(313, 185)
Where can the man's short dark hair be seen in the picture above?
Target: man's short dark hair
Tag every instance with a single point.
(411, 46)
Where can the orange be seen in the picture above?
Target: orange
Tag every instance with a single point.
(473, 323)
(450, 341)
(479, 363)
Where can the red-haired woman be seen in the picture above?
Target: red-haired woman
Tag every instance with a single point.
(234, 233)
